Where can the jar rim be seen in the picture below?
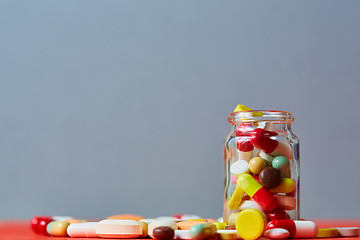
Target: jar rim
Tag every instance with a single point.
(261, 116)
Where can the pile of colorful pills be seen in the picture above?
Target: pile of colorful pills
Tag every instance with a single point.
(250, 223)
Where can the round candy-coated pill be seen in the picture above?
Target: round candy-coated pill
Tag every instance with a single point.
(36, 220)
(256, 165)
(164, 233)
(43, 224)
(59, 228)
(49, 228)
(270, 177)
(280, 162)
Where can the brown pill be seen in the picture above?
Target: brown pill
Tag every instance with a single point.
(270, 177)
(164, 233)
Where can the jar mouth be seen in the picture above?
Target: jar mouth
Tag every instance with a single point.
(261, 116)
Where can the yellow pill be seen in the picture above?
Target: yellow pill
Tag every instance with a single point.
(227, 234)
(287, 185)
(327, 233)
(220, 225)
(256, 165)
(250, 224)
(240, 108)
(59, 228)
(236, 198)
(144, 230)
(247, 183)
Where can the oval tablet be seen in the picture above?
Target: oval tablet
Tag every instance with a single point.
(327, 233)
(256, 165)
(164, 233)
(277, 233)
(160, 223)
(87, 229)
(186, 225)
(119, 229)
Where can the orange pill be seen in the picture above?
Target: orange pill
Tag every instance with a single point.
(286, 202)
(186, 225)
(75, 221)
(125, 217)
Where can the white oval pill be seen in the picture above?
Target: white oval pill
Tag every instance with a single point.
(119, 229)
(182, 234)
(266, 157)
(61, 218)
(239, 167)
(277, 233)
(160, 223)
(348, 231)
(250, 204)
(87, 229)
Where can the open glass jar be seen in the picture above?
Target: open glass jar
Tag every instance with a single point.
(261, 160)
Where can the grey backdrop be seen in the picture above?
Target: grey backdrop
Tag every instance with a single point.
(112, 107)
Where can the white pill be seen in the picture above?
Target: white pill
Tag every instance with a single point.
(266, 156)
(182, 234)
(160, 223)
(61, 218)
(277, 233)
(118, 229)
(348, 231)
(87, 229)
(250, 204)
(188, 217)
(239, 167)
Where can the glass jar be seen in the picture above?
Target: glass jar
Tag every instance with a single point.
(261, 160)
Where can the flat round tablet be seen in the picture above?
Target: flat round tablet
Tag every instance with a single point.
(227, 234)
(239, 167)
(118, 229)
(277, 233)
(327, 233)
(348, 231)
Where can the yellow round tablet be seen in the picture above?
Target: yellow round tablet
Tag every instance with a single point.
(250, 224)
(327, 233)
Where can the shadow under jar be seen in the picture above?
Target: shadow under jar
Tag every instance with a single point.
(261, 160)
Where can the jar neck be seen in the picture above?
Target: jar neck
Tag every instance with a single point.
(258, 116)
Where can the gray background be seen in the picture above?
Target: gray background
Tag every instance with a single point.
(112, 107)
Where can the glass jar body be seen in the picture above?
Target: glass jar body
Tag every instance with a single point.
(261, 154)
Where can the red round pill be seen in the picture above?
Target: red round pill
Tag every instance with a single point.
(35, 221)
(278, 214)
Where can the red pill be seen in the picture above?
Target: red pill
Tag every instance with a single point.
(278, 214)
(244, 145)
(164, 233)
(261, 139)
(43, 224)
(35, 221)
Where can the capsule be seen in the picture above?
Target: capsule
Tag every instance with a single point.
(83, 230)
(297, 229)
(261, 139)
(257, 192)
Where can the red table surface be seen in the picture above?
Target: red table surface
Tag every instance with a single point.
(21, 229)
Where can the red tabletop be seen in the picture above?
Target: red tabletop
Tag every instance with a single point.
(20, 230)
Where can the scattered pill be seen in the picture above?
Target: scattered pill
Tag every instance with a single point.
(250, 224)
(348, 231)
(297, 229)
(220, 225)
(57, 228)
(277, 233)
(327, 233)
(161, 223)
(256, 165)
(283, 164)
(87, 229)
(187, 224)
(270, 177)
(227, 234)
(61, 218)
(182, 234)
(144, 229)
(287, 185)
(164, 233)
(125, 217)
(257, 192)
(42, 224)
(35, 223)
(118, 229)
(239, 167)
(203, 231)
